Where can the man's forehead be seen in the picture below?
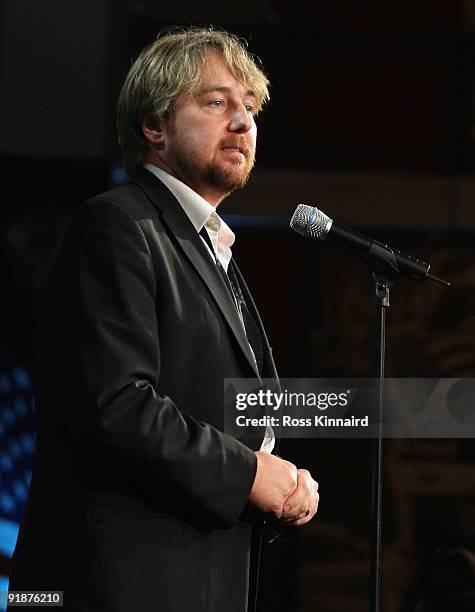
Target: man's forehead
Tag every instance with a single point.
(211, 87)
(216, 76)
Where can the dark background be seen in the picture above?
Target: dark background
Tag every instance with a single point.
(372, 118)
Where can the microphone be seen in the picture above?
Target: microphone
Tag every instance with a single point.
(310, 222)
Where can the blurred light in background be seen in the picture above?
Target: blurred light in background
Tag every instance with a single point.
(17, 443)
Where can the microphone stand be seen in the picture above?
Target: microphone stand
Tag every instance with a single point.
(386, 265)
(381, 261)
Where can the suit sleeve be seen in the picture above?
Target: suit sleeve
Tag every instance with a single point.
(103, 341)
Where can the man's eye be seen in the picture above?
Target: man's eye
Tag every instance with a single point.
(249, 108)
(217, 103)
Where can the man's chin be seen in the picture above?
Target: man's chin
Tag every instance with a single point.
(228, 179)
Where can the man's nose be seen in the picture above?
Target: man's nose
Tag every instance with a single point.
(241, 121)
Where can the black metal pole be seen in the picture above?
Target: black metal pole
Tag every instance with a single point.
(381, 301)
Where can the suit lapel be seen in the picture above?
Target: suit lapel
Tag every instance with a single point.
(196, 252)
(268, 370)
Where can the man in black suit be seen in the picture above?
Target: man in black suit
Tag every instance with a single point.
(139, 501)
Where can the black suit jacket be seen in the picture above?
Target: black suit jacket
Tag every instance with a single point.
(137, 495)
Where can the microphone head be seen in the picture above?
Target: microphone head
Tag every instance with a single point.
(310, 222)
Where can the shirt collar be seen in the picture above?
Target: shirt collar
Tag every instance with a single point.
(196, 208)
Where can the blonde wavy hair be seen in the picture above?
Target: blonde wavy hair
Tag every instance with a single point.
(171, 68)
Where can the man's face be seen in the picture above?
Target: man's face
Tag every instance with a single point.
(209, 142)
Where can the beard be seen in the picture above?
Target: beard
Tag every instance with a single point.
(221, 177)
(227, 180)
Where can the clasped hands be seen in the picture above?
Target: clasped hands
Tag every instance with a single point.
(290, 494)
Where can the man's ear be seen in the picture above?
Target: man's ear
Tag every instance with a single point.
(153, 132)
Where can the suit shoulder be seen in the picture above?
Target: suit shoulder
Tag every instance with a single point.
(118, 211)
(127, 198)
